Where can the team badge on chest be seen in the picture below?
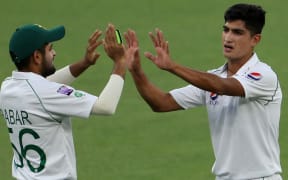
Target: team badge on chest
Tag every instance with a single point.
(213, 98)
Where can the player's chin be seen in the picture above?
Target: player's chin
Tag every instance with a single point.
(228, 55)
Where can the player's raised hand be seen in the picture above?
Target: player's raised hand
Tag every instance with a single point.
(91, 55)
(162, 58)
(132, 50)
(112, 47)
(115, 50)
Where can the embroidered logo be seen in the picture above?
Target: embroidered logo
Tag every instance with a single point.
(254, 76)
(65, 90)
(78, 94)
(213, 96)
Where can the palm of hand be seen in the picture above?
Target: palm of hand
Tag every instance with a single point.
(91, 57)
(115, 52)
(162, 59)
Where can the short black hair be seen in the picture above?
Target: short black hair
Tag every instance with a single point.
(25, 62)
(252, 15)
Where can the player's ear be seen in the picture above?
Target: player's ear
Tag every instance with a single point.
(256, 39)
(37, 57)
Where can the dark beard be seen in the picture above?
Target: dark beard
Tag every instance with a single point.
(48, 72)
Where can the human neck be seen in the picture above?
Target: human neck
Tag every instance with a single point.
(233, 65)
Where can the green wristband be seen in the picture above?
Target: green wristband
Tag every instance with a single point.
(118, 36)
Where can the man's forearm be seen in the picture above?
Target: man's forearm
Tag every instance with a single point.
(62, 76)
(154, 97)
(108, 100)
(209, 82)
(79, 67)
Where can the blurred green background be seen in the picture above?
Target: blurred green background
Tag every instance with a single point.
(136, 143)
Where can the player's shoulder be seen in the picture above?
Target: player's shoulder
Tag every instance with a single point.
(41, 85)
(263, 74)
(263, 68)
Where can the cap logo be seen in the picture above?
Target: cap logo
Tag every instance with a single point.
(40, 26)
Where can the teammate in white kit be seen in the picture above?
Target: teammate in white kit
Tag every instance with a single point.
(243, 97)
(37, 102)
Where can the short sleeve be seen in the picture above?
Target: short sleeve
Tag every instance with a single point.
(58, 99)
(188, 96)
(261, 82)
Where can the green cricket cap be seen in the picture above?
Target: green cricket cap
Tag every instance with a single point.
(28, 38)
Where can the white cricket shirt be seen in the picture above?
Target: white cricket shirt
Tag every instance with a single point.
(37, 113)
(244, 130)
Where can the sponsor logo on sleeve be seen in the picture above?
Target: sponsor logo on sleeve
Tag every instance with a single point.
(256, 76)
(78, 94)
(65, 90)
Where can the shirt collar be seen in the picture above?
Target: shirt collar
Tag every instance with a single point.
(250, 63)
(25, 75)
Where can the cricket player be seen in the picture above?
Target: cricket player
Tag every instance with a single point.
(243, 97)
(37, 103)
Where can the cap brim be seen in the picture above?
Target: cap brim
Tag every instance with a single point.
(55, 34)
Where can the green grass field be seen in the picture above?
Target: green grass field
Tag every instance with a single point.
(137, 144)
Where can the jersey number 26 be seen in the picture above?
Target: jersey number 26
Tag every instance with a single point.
(26, 148)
